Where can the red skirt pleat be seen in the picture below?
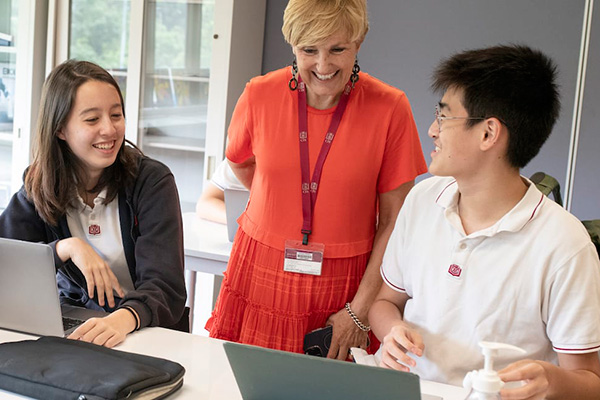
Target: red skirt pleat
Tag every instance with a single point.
(260, 304)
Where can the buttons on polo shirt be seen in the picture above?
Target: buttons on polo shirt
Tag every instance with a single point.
(462, 246)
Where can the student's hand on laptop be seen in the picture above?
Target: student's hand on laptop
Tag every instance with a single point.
(400, 340)
(96, 271)
(345, 335)
(108, 331)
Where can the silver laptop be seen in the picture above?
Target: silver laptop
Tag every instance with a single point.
(29, 295)
(235, 204)
(267, 374)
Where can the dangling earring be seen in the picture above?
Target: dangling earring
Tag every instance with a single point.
(355, 71)
(293, 83)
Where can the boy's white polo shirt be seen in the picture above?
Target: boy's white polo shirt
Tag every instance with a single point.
(531, 280)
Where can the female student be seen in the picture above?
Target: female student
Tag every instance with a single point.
(110, 214)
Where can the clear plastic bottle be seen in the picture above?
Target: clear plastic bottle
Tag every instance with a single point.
(485, 384)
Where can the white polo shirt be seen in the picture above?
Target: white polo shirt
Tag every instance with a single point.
(531, 280)
(224, 178)
(100, 227)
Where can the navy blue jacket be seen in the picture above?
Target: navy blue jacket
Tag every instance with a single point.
(152, 233)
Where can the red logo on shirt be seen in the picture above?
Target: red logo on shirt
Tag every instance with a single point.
(94, 229)
(454, 270)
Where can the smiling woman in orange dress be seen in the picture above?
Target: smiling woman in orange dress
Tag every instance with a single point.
(329, 153)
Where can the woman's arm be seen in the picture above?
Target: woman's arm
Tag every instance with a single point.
(389, 207)
(346, 333)
(244, 171)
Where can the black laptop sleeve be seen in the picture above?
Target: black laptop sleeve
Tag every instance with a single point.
(53, 368)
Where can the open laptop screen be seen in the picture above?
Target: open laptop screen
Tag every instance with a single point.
(267, 374)
(29, 299)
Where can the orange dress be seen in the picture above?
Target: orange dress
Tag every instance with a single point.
(375, 150)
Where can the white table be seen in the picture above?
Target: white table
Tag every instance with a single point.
(208, 374)
(206, 249)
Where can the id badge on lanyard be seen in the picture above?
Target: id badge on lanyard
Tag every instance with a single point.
(303, 259)
(301, 256)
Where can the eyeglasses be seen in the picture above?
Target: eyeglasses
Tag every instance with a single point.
(440, 118)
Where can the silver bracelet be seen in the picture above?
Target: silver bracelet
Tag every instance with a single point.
(361, 326)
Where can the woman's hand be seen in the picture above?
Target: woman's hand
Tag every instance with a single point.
(400, 340)
(108, 331)
(345, 335)
(97, 273)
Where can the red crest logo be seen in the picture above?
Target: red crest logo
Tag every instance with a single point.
(454, 270)
(94, 229)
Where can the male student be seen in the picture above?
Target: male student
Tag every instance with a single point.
(479, 254)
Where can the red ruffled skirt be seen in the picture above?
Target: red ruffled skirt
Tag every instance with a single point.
(260, 304)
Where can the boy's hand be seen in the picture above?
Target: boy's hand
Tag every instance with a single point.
(400, 340)
(533, 373)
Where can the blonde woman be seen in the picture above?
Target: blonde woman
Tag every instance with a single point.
(328, 153)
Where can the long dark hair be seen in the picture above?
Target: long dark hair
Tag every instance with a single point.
(55, 174)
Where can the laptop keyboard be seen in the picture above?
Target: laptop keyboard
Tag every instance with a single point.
(69, 323)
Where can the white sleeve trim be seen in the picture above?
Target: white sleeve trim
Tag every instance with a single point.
(390, 284)
(577, 349)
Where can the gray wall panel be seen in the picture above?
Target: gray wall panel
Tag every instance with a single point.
(408, 38)
(276, 52)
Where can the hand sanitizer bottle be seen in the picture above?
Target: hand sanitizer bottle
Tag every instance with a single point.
(485, 383)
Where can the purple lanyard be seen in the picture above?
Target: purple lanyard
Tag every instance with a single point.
(309, 188)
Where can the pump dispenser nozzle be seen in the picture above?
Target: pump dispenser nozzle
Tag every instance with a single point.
(486, 380)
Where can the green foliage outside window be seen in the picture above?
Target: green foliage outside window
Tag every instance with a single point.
(178, 37)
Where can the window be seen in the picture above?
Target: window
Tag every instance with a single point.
(99, 32)
(174, 81)
(173, 106)
(8, 60)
